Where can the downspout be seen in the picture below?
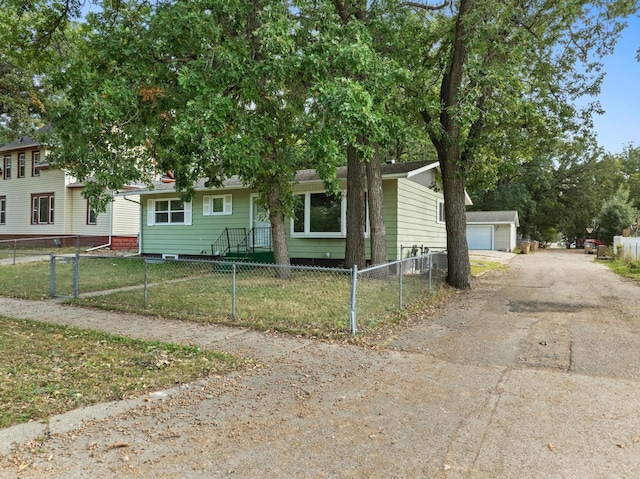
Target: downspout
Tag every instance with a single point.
(111, 227)
(110, 233)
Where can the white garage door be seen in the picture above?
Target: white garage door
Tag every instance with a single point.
(480, 237)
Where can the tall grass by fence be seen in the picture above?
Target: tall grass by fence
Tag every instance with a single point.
(300, 299)
(627, 247)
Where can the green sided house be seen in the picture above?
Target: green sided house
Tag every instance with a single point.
(228, 222)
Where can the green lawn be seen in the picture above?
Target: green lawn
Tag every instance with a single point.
(49, 369)
(310, 303)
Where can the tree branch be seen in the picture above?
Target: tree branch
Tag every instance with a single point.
(423, 6)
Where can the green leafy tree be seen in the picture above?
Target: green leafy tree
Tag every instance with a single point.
(35, 36)
(502, 77)
(356, 97)
(203, 89)
(616, 214)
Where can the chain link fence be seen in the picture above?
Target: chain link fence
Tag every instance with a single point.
(296, 299)
(19, 250)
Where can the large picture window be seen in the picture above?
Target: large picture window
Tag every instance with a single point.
(42, 208)
(170, 211)
(3, 210)
(320, 215)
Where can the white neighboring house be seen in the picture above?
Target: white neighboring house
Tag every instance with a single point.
(38, 201)
(492, 230)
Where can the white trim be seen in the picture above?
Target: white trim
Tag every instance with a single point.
(151, 213)
(440, 207)
(428, 167)
(307, 218)
(207, 205)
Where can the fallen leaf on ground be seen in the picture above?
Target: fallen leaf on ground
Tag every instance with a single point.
(116, 445)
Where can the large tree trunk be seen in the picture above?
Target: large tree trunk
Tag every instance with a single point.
(278, 233)
(459, 268)
(354, 250)
(377, 233)
(447, 145)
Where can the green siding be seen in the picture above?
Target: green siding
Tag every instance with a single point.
(417, 212)
(194, 239)
(409, 209)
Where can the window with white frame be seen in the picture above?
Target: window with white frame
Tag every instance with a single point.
(320, 215)
(35, 163)
(6, 168)
(42, 208)
(441, 217)
(3, 210)
(217, 205)
(21, 165)
(169, 211)
(91, 214)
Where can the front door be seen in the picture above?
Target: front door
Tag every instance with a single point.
(261, 237)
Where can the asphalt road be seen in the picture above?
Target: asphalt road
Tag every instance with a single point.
(532, 374)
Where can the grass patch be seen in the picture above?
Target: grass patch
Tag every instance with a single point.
(49, 369)
(625, 268)
(479, 267)
(309, 303)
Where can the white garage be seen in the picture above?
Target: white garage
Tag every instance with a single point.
(492, 230)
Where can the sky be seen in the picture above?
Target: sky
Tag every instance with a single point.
(620, 94)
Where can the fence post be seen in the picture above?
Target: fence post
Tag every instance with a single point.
(352, 306)
(144, 283)
(52, 275)
(400, 270)
(233, 291)
(15, 247)
(430, 273)
(76, 279)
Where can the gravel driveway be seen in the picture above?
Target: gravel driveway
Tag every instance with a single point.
(532, 374)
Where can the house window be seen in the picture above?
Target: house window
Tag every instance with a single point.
(3, 210)
(6, 168)
(35, 163)
(320, 214)
(42, 205)
(21, 165)
(216, 205)
(91, 214)
(441, 218)
(172, 211)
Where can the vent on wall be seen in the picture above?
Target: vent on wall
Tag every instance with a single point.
(169, 256)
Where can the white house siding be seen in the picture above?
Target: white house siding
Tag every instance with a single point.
(126, 215)
(417, 213)
(77, 216)
(18, 194)
(505, 237)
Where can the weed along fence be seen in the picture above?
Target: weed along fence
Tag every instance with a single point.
(298, 299)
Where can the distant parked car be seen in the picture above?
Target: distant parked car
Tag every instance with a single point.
(594, 244)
